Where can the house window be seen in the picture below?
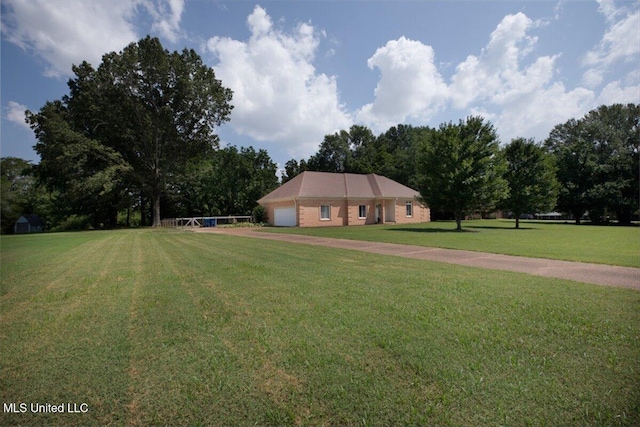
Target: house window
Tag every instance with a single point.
(409, 208)
(325, 212)
(362, 211)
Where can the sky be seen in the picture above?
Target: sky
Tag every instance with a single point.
(301, 69)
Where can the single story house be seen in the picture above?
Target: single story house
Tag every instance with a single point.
(29, 224)
(315, 199)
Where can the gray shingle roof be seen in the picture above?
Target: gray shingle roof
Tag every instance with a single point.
(339, 185)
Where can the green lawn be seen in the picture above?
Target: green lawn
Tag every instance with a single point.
(587, 243)
(157, 327)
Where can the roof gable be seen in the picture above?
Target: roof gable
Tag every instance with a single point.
(33, 220)
(311, 184)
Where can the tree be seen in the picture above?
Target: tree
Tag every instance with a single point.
(227, 182)
(576, 160)
(531, 177)
(396, 152)
(20, 193)
(334, 154)
(157, 110)
(344, 152)
(461, 169)
(85, 175)
(598, 164)
(292, 169)
(615, 133)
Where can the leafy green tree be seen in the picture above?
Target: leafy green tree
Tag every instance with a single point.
(576, 160)
(231, 180)
(85, 175)
(155, 109)
(461, 169)
(292, 169)
(334, 154)
(19, 191)
(615, 132)
(598, 164)
(531, 177)
(395, 153)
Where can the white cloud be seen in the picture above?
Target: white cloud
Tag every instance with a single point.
(166, 20)
(70, 31)
(67, 32)
(608, 9)
(526, 99)
(496, 72)
(15, 114)
(620, 42)
(278, 94)
(503, 83)
(410, 85)
(618, 93)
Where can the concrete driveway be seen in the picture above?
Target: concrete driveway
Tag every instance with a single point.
(598, 274)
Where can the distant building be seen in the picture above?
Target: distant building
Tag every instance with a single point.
(29, 224)
(549, 215)
(314, 199)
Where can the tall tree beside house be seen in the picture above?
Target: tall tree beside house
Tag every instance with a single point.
(396, 152)
(531, 177)
(334, 154)
(598, 164)
(293, 168)
(461, 169)
(358, 150)
(157, 110)
(228, 181)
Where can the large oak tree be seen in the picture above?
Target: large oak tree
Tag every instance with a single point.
(153, 109)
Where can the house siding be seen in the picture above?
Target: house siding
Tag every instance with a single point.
(346, 212)
(309, 213)
(353, 207)
(420, 213)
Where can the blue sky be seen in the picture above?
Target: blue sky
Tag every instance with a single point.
(304, 69)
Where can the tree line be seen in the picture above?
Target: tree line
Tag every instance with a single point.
(586, 166)
(134, 140)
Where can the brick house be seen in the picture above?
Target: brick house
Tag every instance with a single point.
(316, 199)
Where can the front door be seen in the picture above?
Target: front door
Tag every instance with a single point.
(390, 211)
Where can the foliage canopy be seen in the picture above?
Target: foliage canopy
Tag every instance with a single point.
(130, 125)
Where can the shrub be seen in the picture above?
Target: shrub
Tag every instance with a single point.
(259, 214)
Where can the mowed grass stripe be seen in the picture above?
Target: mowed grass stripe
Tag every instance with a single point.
(67, 345)
(178, 362)
(267, 379)
(186, 328)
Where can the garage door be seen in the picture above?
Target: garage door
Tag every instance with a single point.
(284, 217)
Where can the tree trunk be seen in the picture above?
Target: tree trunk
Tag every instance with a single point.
(624, 217)
(577, 215)
(517, 221)
(458, 216)
(156, 192)
(156, 211)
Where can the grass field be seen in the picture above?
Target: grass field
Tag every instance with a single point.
(157, 327)
(539, 239)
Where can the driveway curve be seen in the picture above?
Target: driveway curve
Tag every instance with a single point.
(598, 274)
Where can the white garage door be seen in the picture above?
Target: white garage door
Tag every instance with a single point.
(284, 217)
